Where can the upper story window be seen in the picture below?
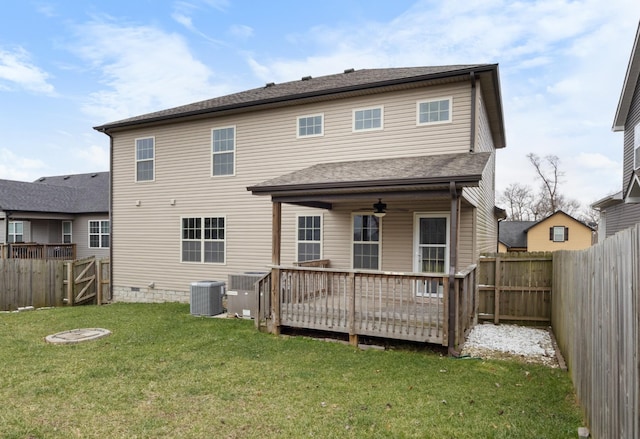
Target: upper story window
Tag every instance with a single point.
(145, 159)
(223, 147)
(16, 231)
(434, 111)
(559, 233)
(311, 125)
(366, 242)
(66, 232)
(636, 146)
(309, 237)
(203, 239)
(99, 234)
(367, 119)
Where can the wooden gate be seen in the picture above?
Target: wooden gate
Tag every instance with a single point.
(86, 281)
(515, 287)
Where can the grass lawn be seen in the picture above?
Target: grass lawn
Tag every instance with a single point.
(165, 373)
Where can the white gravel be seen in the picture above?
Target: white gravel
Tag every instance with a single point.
(530, 345)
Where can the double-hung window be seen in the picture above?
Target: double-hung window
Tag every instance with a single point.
(309, 240)
(203, 240)
(311, 125)
(434, 111)
(16, 231)
(145, 159)
(366, 242)
(66, 232)
(367, 119)
(559, 233)
(636, 146)
(99, 234)
(223, 149)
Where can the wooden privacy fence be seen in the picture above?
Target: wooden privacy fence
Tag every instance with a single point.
(596, 321)
(47, 282)
(515, 287)
(30, 282)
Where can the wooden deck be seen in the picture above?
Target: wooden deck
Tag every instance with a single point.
(38, 251)
(361, 303)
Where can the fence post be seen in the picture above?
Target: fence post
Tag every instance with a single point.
(98, 263)
(496, 293)
(69, 266)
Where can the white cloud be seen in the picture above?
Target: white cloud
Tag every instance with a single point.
(93, 157)
(17, 71)
(143, 69)
(241, 31)
(13, 167)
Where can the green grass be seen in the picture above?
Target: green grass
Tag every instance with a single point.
(165, 373)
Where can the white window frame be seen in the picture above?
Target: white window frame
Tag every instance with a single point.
(309, 116)
(559, 231)
(203, 240)
(70, 234)
(353, 242)
(152, 160)
(636, 146)
(359, 110)
(427, 101)
(100, 233)
(233, 151)
(417, 245)
(305, 241)
(11, 238)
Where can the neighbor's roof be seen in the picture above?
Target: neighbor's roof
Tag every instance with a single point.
(351, 82)
(79, 193)
(628, 86)
(394, 173)
(513, 234)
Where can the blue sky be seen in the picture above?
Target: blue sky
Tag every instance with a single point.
(69, 65)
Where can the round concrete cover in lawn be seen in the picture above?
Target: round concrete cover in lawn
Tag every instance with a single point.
(77, 335)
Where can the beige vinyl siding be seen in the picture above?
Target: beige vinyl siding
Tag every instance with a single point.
(146, 237)
(46, 231)
(484, 195)
(80, 236)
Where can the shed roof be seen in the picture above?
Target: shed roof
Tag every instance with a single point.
(513, 234)
(78, 193)
(351, 82)
(326, 182)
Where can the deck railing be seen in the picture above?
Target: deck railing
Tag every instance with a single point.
(402, 306)
(38, 251)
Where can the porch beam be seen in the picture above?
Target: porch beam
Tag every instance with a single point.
(276, 244)
(329, 198)
(453, 256)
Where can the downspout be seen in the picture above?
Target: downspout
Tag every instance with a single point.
(472, 131)
(453, 256)
(110, 215)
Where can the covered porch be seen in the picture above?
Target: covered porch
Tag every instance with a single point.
(431, 300)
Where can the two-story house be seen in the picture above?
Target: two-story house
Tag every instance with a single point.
(369, 171)
(61, 217)
(622, 210)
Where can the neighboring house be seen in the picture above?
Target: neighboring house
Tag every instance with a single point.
(622, 210)
(558, 231)
(62, 216)
(382, 170)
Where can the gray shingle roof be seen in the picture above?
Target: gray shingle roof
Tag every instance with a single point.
(431, 169)
(513, 234)
(79, 193)
(351, 80)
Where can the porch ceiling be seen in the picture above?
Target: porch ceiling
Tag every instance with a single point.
(408, 178)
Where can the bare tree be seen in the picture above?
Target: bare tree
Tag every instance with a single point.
(518, 199)
(550, 199)
(522, 204)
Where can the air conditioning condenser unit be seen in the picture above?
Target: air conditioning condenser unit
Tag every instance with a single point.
(206, 298)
